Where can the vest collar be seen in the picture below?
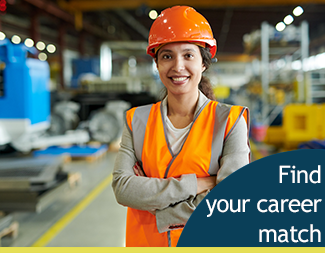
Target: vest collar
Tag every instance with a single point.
(202, 101)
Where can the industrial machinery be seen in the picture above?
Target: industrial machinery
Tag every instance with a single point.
(28, 183)
(64, 117)
(106, 124)
(25, 101)
(301, 123)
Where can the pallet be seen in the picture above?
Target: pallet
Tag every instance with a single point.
(89, 153)
(74, 179)
(11, 231)
(115, 146)
(89, 158)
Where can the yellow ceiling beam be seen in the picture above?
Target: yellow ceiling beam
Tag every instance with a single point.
(95, 5)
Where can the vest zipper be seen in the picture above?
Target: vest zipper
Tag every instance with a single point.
(165, 132)
(169, 239)
(171, 152)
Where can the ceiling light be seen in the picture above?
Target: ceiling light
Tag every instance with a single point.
(2, 36)
(51, 48)
(296, 65)
(288, 20)
(320, 61)
(40, 45)
(280, 26)
(29, 42)
(298, 11)
(15, 39)
(42, 56)
(153, 14)
(281, 64)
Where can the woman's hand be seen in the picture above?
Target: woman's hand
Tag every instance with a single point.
(138, 170)
(206, 183)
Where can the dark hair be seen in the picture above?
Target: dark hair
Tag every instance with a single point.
(204, 86)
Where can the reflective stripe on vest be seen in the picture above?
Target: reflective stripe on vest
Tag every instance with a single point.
(152, 150)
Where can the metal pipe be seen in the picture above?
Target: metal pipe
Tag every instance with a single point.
(265, 69)
(135, 24)
(303, 86)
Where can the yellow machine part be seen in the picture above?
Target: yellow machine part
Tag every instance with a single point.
(275, 135)
(301, 123)
(221, 92)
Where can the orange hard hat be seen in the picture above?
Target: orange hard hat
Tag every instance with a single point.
(180, 23)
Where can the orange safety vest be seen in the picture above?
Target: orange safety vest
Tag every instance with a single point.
(200, 154)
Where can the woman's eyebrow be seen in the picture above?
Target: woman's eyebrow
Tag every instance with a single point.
(170, 51)
(164, 51)
(189, 49)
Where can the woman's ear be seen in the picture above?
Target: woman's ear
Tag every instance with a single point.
(203, 68)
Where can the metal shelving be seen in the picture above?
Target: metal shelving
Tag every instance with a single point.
(298, 50)
(317, 86)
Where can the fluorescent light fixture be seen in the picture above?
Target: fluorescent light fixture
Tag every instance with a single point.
(311, 63)
(132, 62)
(320, 61)
(2, 36)
(105, 62)
(29, 42)
(15, 39)
(51, 48)
(280, 26)
(298, 11)
(42, 56)
(288, 20)
(153, 14)
(40, 45)
(281, 64)
(296, 65)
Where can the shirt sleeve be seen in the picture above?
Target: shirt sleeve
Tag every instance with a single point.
(145, 193)
(236, 151)
(176, 216)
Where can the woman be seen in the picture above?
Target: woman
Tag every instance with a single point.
(173, 152)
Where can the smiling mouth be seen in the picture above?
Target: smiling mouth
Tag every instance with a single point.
(178, 79)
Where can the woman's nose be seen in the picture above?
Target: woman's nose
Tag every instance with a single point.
(178, 65)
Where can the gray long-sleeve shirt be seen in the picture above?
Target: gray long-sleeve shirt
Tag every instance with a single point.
(174, 200)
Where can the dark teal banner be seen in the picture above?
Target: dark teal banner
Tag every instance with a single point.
(276, 201)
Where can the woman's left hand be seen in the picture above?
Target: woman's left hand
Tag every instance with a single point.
(138, 170)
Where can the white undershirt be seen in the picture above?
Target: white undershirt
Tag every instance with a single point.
(176, 136)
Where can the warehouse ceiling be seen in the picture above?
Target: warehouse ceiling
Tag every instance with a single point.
(128, 20)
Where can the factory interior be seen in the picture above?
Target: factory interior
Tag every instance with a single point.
(70, 69)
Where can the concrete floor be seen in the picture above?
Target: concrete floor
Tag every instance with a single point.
(100, 224)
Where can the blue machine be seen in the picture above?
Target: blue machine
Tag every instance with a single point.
(24, 91)
(83, 66)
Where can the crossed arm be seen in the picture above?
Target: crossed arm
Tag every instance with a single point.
(172, 200)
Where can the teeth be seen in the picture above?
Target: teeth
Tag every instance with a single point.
(177, 79)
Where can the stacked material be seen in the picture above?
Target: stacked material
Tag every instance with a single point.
(30, 184)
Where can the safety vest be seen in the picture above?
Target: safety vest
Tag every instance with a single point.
(200, 155)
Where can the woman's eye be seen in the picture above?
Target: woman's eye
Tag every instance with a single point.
(189, 56)
(166, 56)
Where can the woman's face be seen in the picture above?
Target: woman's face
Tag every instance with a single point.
(180, 67)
